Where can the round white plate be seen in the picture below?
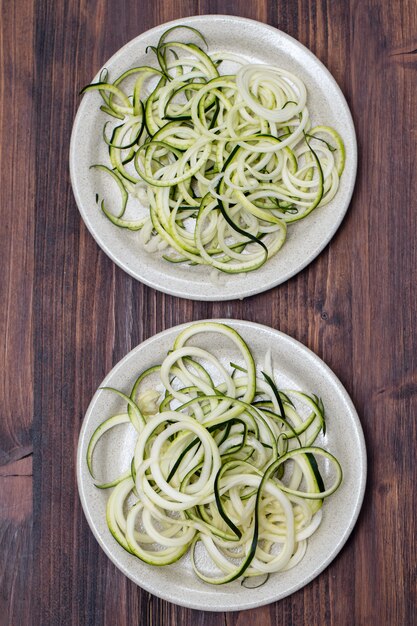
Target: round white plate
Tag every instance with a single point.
(258, 43)
(296, 367)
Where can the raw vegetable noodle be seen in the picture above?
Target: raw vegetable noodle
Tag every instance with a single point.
(226, 466)
(224, 161)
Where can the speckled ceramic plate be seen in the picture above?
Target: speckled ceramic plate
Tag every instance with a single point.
(296, 367)
(258, 43)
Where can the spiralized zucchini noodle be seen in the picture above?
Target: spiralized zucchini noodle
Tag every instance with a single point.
(223, 161)
(226, 466)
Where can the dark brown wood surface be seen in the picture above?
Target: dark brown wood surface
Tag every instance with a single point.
(68, 314)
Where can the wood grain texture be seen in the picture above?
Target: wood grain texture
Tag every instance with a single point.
(16, 235)
(68, 314)
(16, 298)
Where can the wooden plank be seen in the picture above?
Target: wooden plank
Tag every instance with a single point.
(16, 294)
(383, 353)
(16, 234)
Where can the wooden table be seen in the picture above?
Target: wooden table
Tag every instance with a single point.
(68, 314)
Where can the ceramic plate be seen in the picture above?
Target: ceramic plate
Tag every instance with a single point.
(295, 367)
(258, 43)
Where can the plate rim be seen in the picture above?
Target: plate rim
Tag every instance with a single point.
(347, 531)
(258, 286)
